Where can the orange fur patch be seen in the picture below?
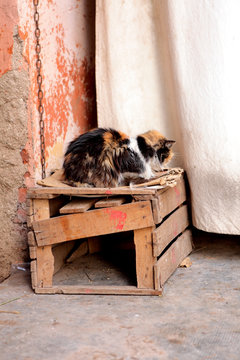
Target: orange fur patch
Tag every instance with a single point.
(107, 137)
(152, 137)
(123, 136)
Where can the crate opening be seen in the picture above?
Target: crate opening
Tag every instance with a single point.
(103, 260)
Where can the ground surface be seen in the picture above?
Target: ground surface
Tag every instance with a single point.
(198, 316)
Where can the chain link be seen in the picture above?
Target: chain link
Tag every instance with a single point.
(40, 92)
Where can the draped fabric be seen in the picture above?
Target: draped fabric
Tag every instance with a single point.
(174, 66)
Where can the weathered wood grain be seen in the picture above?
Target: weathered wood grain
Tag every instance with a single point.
(93, 223)
(166, 201)
(75, 191)
(104, 290)
(170, 260)
(144, 257)
(77, 206)
(176, 223)
(110, 202)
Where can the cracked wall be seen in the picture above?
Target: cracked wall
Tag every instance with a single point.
(68, 68)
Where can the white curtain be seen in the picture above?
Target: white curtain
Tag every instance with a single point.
(174, 66)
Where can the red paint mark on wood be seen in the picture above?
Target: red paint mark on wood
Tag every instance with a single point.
(108, 192)
(117, 217)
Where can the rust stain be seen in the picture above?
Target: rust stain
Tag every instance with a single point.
(117, 217)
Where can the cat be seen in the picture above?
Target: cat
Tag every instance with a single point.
(109, 158)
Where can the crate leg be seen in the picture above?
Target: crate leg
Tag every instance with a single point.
(144, 258)
(45, 266)
(44, 255)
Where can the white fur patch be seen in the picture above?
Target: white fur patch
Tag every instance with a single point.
(147, 173)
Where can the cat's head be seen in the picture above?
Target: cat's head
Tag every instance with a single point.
(156, 149)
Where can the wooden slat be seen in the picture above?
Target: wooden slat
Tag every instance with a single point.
(41, 209)
(31, 239)
(44, 258)
(33, 269)
(170, 260)
(168, 200)
(29, 208)
(110, 202)
(77, 206)
(75, 191)
(93, 223)
(105, 290)
(144, 257)
(80, 251)
(32, 252)
(176, 223)
(45, 266)
(60, 254)
(94, 244)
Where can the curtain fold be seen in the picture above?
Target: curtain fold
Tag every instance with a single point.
(174, 66)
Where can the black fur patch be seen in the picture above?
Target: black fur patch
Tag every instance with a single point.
(145, 149)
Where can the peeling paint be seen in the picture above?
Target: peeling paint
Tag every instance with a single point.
(69, 99)
(68, 72)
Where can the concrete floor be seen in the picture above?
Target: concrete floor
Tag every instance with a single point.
(198, 316)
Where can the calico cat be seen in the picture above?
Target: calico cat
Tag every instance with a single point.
(109, 158)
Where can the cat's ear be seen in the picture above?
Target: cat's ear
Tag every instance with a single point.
(169, 143)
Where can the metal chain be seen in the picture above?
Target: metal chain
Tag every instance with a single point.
(40, 92)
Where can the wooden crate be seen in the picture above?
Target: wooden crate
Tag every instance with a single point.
(60, 218)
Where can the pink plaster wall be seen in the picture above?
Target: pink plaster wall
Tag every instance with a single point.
(68, 66)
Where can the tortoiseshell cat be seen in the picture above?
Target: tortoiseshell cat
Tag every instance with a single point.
(109, 158)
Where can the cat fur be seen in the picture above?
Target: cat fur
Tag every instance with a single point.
(109, 158)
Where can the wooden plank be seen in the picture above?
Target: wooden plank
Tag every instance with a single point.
(93, 223)
(32, 252)
(144, 257)
(33, 269)
(60, 253)
(35, 193)
(31, 239)
(170, 260)
(45, 259)
(29, 209)
(41, 209)
(94, 244)
(55, 180)
(98, 290)
(45, 266)
(80, 251)
(168, 200)
(77, 206)
(110, 202)
(169, 229)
